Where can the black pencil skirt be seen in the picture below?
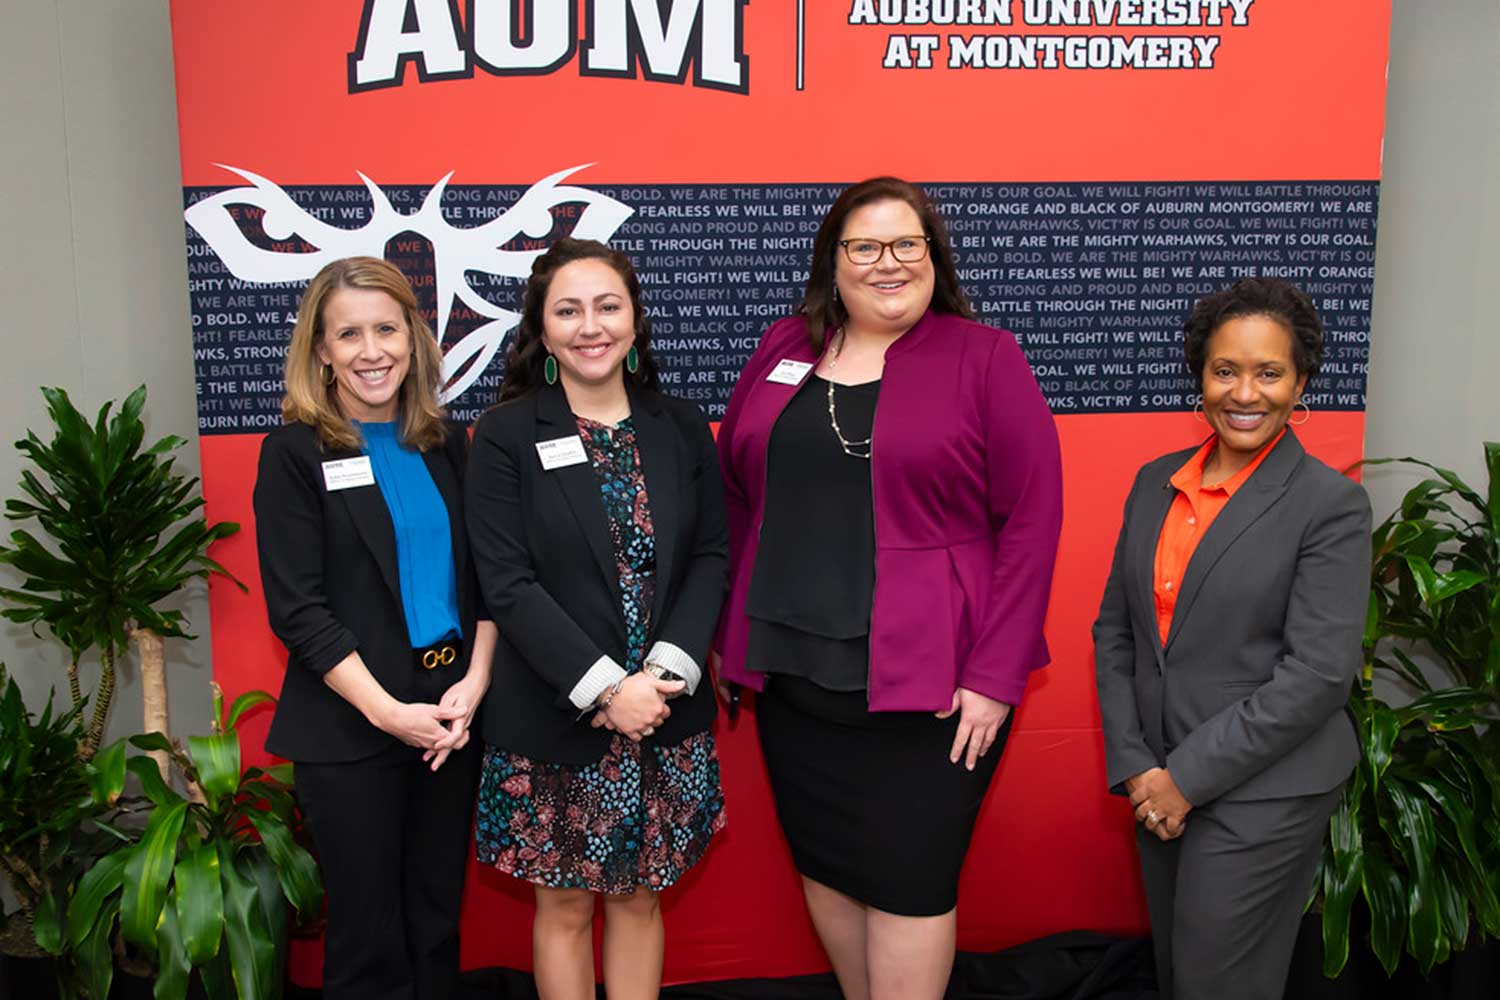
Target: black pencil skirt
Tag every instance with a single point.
(869, 802)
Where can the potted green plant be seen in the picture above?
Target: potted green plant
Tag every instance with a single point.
(121, 531)
(46, 838)
(1415, 842)
(205, 886)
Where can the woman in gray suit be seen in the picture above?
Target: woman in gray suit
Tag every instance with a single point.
(1226, 644)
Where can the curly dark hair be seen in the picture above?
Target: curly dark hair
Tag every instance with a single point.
(1275, 298)
(823, 311)
(527, 355)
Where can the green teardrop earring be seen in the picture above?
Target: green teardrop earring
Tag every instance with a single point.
(549, 370)
(632, 360)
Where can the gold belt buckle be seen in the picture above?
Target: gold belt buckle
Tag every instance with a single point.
(434, 658)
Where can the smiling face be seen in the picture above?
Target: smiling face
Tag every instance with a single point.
(1250, 384)
(886, 297)
(367, 343)
(588, 323)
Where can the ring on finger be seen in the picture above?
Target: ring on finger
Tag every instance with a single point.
(1152, 818)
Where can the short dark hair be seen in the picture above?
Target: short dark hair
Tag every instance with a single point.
(823, 311)
(525, 360)
(1274, 298)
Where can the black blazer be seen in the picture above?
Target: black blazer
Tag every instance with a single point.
(328, 566)
(1246, 699)
(547, 568)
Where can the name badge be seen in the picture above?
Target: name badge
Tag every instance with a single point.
(789, 372)
(345, 473)
(559, 453)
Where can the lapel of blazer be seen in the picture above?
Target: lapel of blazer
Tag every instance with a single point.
(656, 438)
(372, 519)
(578, 483)
(445, 478)
(1149, 515)
(1264, 487)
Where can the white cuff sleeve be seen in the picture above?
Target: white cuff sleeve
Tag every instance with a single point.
(675, 659)
(605, 673)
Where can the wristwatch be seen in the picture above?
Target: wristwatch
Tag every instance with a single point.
(661, 673)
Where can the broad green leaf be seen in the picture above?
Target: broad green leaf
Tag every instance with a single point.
(281, 773)
(47, 924)
(217, 759)
(1380, 737)
(172, 965)
(106, 773)
(1418, 842)
(1453, 907)
(147, 773)
(257, 866)
(251, 950)
(101, 882)
(151, 741)
(94, 956)
(147, 874)
(296, 870)
(244, 703)
(1449, 585)
(200, 902)
(1341, 879)
(1386, 898)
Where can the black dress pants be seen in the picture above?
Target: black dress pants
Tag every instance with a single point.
(393, 842)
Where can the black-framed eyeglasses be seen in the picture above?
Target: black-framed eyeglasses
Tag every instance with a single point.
(905, 249)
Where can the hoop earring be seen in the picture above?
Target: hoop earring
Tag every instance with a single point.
(1305, 409)
(549, 370)
(327, 374)
(1198, 412)
(632, 360)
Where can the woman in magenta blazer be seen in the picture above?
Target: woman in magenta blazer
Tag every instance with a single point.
(894, 490)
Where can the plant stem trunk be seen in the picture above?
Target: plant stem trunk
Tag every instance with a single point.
(73, 688)
(103, 697)
(148, 647)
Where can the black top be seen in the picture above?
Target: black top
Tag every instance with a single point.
(814, 578)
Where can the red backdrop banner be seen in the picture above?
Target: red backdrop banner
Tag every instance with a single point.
(1100, 165)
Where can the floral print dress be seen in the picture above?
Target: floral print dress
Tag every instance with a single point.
(644, 814)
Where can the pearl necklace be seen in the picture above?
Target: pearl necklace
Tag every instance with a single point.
(833, 417)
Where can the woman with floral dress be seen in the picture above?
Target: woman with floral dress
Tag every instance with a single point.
(598, 528)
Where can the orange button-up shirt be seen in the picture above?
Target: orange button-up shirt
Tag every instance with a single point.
(1193, 510)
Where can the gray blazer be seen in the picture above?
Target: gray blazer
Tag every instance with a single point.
(1246, 700)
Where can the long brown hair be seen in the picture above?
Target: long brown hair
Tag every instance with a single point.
(824, 312)
(311, 400)
(527, 357)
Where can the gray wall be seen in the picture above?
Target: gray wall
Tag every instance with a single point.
(97, 295)
(96, 291)
(1435, 351)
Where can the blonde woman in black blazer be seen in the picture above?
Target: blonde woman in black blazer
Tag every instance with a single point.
(600, 536)
(1229, 733)
(365, 564)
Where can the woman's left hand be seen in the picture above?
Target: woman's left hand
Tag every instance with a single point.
(465, 696)
(1159, 803)
(979, 722)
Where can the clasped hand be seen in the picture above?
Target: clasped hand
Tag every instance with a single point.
(638, 707)
(1159, 804)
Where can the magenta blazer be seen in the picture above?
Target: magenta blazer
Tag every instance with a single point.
(967, 482)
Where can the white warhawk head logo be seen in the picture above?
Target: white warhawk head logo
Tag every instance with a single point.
(454, 250)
